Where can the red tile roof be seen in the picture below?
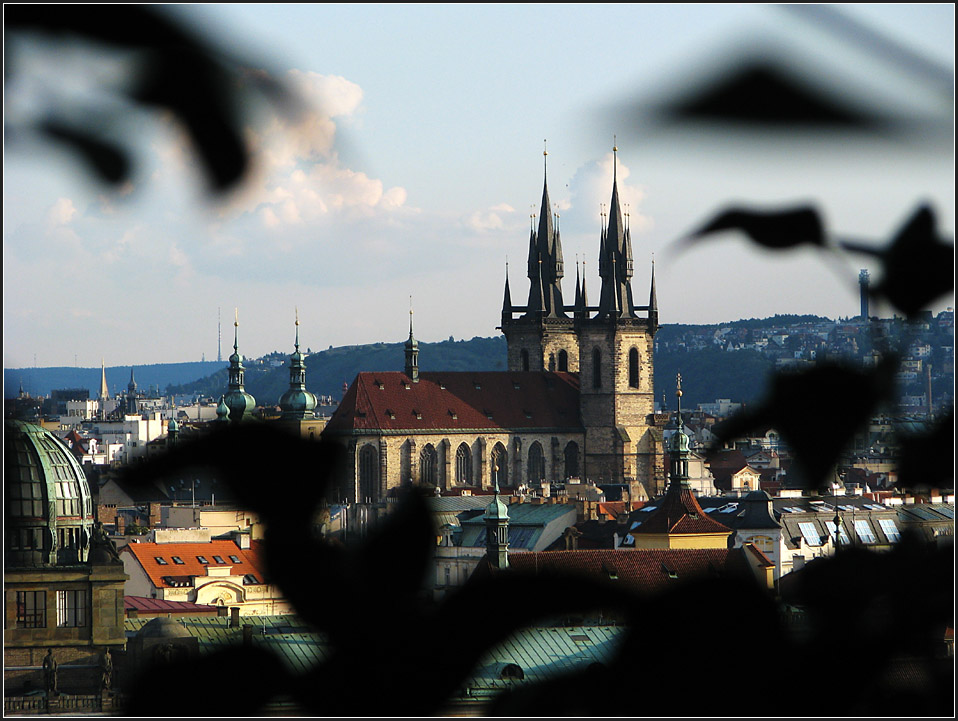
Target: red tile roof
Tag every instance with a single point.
(146, 606)
(679, 514)
(146, 554)
(465, 400)
(644, 571)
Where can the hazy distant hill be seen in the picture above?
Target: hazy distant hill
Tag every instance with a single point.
(707, 374)
(40, 381)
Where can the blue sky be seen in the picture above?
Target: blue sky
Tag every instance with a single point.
(418, 169)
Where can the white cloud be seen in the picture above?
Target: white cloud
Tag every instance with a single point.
(61, 212)
(591, 190)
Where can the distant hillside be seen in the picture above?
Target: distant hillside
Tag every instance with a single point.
(707, 374)
(40, 381)
(327, 370)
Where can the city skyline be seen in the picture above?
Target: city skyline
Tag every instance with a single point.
(418, 176)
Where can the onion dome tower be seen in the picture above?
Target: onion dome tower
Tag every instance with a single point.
(49, 508)
(297, 403)
(240, 403)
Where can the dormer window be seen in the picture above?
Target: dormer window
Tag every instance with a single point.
(416, 413)
(379, 384)
(202, 559)
(453, 414)
(178, 561)
(160, 560)
(390, 414)
(235, 559)
(515, 384)
(219, 559)
(528, 413)
(477, 385)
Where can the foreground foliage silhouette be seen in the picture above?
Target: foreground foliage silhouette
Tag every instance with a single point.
(397, 653)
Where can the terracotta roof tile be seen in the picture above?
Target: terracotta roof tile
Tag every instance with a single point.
(250, 560)
(159, 605)
(463, 400)
(678, 513)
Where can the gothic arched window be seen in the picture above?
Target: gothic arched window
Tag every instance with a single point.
(633, 368)
(524, 356)
(537, 463)
(596, 368)
(572, 460)
(463, 465)
(428, 463)
(563, 361)
(368, 474)
(500, 465)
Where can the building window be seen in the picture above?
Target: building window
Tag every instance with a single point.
(219, 559)
(864, 531)
(596, 368)
(572, 460)
(428, 465)
(463, 465)
(563, 361)
(235, 559)
(202, 559)
(31, 609)
(889, 528)
(633, 368)
(178, 561)
(72, 609)
(368, 474)
(500, 465)
(537, 463)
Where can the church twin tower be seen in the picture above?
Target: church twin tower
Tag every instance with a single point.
(609, 345)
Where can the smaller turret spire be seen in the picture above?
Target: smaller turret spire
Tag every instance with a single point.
(412, 351)
(653, 302)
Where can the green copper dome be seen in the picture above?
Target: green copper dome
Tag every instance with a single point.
(48, 505)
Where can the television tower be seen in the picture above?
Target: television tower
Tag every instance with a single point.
(863, 284)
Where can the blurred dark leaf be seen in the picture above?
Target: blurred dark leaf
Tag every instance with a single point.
(106, 160)
(774, 229)
(235, 681)
(180, 71)
(928, 460)
(758, 93)
(817, 413)
(918, 266)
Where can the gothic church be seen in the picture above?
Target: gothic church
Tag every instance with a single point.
(575, 403)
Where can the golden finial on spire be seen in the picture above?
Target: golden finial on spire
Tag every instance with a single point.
(544, 148)
(678, 384)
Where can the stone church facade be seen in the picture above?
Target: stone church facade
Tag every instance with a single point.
(576, 401)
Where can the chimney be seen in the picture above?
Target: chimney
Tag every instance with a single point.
(222, 611)
(234, 617)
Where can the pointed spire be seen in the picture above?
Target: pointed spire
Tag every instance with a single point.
(546, 268)
(412, 351)
(104, 388)
(507, 299)
(615, 258)
(653, 301)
